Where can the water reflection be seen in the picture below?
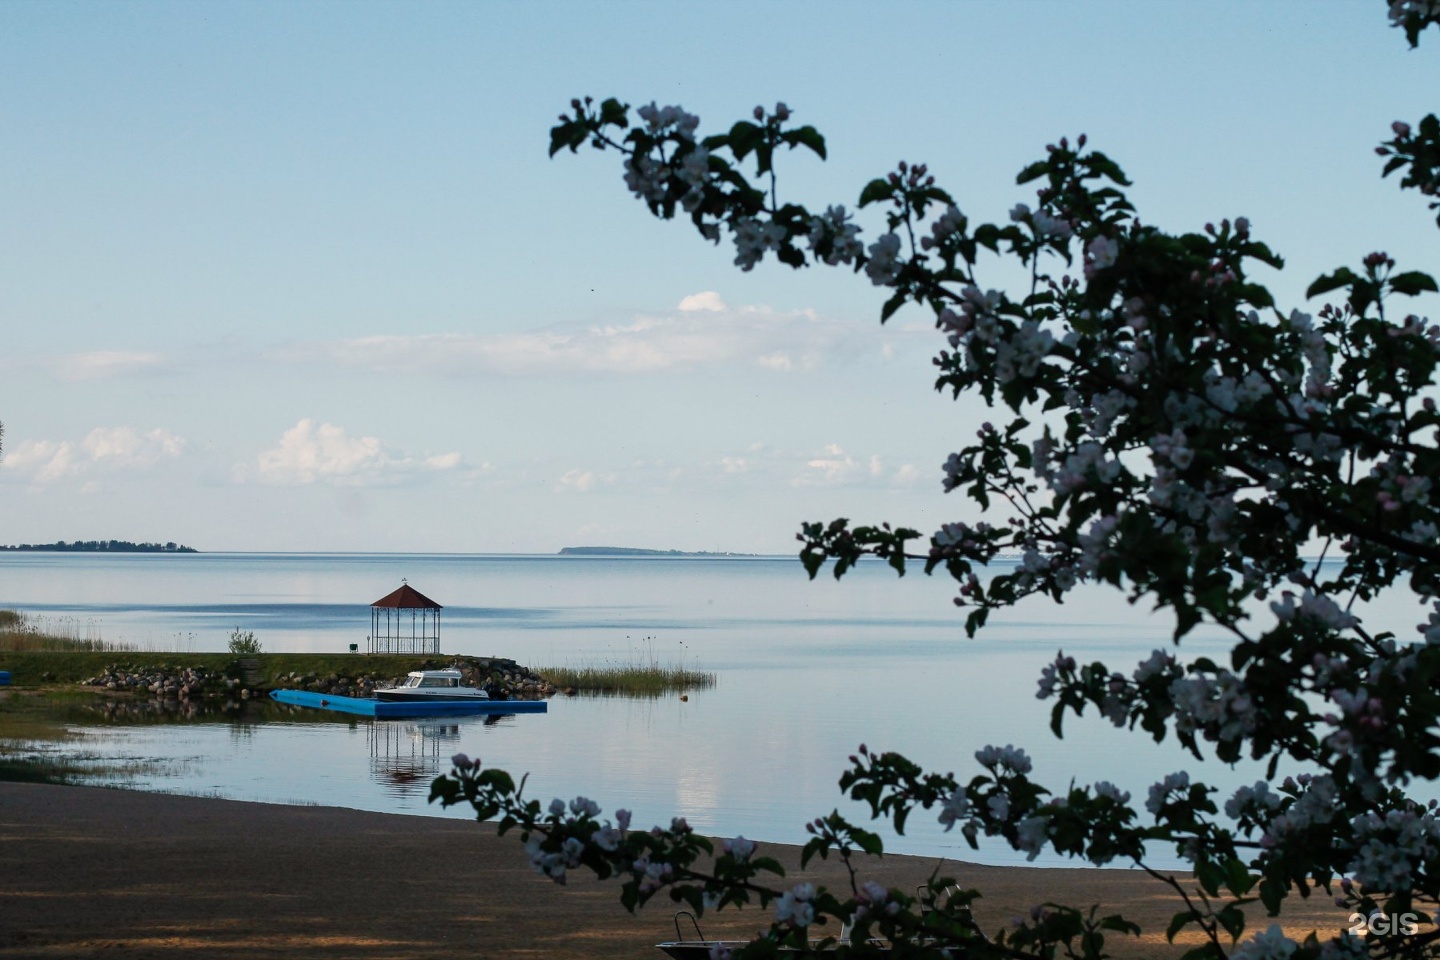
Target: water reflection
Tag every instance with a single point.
(406, 755)
(239, 748)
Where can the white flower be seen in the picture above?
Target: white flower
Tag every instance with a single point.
(584, 807)
(645, 178)
(739, 848)
(1270, 945)
(1160, 792)
(872, 892)
(883, 266)
(607, 838)
(1107, 789)
(752, 238)
(661, 120)
(1047, 227)
(1159, 663)
(794, 906)
(1008, 756)
(954, 807)
(557, 807)
(1258, 796)
(1031, 834)
(947, 224)
(1100, 254)
(844, 236)
(695, 168)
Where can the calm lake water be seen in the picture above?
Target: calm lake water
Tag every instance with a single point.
(806, 672)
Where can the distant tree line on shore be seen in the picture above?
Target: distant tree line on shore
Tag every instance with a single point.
(104, 546)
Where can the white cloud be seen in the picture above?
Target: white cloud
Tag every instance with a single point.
(833, 465)
(42, 461)
(759, 467)
(702, 331)
(126, 447)
(708, 300)
(310, 453)
(445, 461)
(108, 364)
(582, 481)
(103, 451)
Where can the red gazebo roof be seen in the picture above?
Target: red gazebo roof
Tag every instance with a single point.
(407, 598)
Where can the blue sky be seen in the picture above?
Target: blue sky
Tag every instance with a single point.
(300, 276)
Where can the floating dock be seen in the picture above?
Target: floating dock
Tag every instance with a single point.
(367, 707)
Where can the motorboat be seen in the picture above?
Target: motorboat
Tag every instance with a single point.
(428, 686)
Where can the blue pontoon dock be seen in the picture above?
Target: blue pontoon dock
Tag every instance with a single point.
(366, 707)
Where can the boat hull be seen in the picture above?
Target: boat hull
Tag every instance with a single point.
(416, 696)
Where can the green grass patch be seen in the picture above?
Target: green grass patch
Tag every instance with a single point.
(639, 679)
(20, 632)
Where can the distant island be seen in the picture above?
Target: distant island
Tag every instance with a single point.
(639, 552)
(104, 546)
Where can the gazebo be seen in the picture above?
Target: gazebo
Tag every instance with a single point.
(405, 621)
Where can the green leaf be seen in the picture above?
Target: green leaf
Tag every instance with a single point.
(867, 841)
(1032, 172)
(1232, 918)
(745, 137)
(1106, 167)
(569, 134)
(614, 113)
(809, 137)
(1271, 893)
(1264, 254)
(891, 305)
(1413, 283)
(1179, 922)
(1238, 877)
(1331, 281)
(1210, 876)
(878, 189)
(768, 864)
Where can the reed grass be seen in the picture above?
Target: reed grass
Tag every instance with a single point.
(641, 674)
(22, 633)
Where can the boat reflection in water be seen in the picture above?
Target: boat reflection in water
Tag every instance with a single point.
(407, 754)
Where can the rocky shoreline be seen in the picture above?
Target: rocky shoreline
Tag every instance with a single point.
(245, 678)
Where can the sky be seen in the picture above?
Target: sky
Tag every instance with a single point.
(300, 277)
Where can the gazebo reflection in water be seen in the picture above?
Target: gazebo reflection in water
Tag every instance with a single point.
(405, 753)
(405, 621)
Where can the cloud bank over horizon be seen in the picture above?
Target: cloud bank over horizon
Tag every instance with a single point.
(104, 451)
(702, 331)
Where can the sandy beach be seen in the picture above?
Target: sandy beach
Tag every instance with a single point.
(88, 872)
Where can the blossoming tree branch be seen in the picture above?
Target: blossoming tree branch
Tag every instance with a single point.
(1165, 428)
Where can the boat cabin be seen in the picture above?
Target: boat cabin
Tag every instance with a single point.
(432, 678)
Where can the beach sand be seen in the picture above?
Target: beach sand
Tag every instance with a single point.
(88, 872)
